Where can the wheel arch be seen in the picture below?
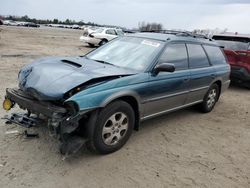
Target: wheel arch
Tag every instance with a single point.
(219, 83)
(103, 39)
(132, 99)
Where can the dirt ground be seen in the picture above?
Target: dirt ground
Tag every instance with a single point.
(181, 149)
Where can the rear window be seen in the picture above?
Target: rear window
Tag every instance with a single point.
(98, 30)
(233, 43)
(197, 56)
(215, 55)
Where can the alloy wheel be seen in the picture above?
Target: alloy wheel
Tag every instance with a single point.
(115, 128)
(211, 100)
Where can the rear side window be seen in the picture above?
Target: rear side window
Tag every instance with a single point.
(197, 56)
(215, 55)
(177, 55)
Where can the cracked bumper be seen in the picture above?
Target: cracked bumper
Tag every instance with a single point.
(34, 106)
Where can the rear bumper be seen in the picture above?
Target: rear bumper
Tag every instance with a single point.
(225, 85)
(239, 74)
(34, 106)
(90, 40)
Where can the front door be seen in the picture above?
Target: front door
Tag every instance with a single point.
(167, 90)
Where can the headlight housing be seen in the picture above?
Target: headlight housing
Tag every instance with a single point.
(72, 107)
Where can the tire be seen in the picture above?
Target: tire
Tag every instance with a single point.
(210, 99)
(113, 127)
(247, 85)
(103, 41)
(91, 45)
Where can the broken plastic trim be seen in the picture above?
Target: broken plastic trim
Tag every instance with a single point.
(23, 120)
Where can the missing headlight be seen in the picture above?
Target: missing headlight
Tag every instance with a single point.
(72, 107)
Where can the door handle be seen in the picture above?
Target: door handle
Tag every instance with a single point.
(186, 80)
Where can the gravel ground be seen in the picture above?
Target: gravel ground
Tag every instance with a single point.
(181, 149)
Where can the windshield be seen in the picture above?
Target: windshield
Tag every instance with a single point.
(128, 52)
(233, 43)
(98, 30)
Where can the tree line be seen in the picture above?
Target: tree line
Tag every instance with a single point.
(48, 21)
(143, 26)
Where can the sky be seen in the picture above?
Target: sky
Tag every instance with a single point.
(173, 14)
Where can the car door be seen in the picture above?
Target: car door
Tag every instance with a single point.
(202, 73)
(110, 34)
(167, 90)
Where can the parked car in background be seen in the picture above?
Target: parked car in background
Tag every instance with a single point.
(99, 98)
(30, 24)
(237, 50)
(10, 23)
(86, 31)
(101, 36)
(75, 26)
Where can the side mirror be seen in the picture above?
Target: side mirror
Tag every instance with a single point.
(164, 67)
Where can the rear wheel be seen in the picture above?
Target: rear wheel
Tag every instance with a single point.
(113, 127)
(210, 99)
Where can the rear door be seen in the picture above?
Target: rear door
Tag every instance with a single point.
(202, 73)
(169, 90)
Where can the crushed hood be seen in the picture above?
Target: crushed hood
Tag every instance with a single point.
(51, 78)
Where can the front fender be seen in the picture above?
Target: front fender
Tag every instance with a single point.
(121, 94)
(101, 99)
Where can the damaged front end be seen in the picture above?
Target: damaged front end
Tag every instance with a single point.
(45, 89)
(62, 120)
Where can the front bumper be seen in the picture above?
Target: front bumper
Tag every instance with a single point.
(60, 123)
(34, 106)
(239, 74)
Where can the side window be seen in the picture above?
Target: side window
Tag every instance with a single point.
(111, 32)
(215, 55)
(177, 55)
(197, 56)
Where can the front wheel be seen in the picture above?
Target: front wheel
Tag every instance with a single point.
(91, 45)
(114, 126)
(103, 41)
(210, 99)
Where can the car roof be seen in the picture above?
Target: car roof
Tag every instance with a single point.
(181, 36)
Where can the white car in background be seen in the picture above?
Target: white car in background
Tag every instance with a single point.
(10, 22)
(101, 36)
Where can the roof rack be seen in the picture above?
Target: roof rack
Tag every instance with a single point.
(180, 33)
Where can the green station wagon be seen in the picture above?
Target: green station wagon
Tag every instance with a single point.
(98, 99)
